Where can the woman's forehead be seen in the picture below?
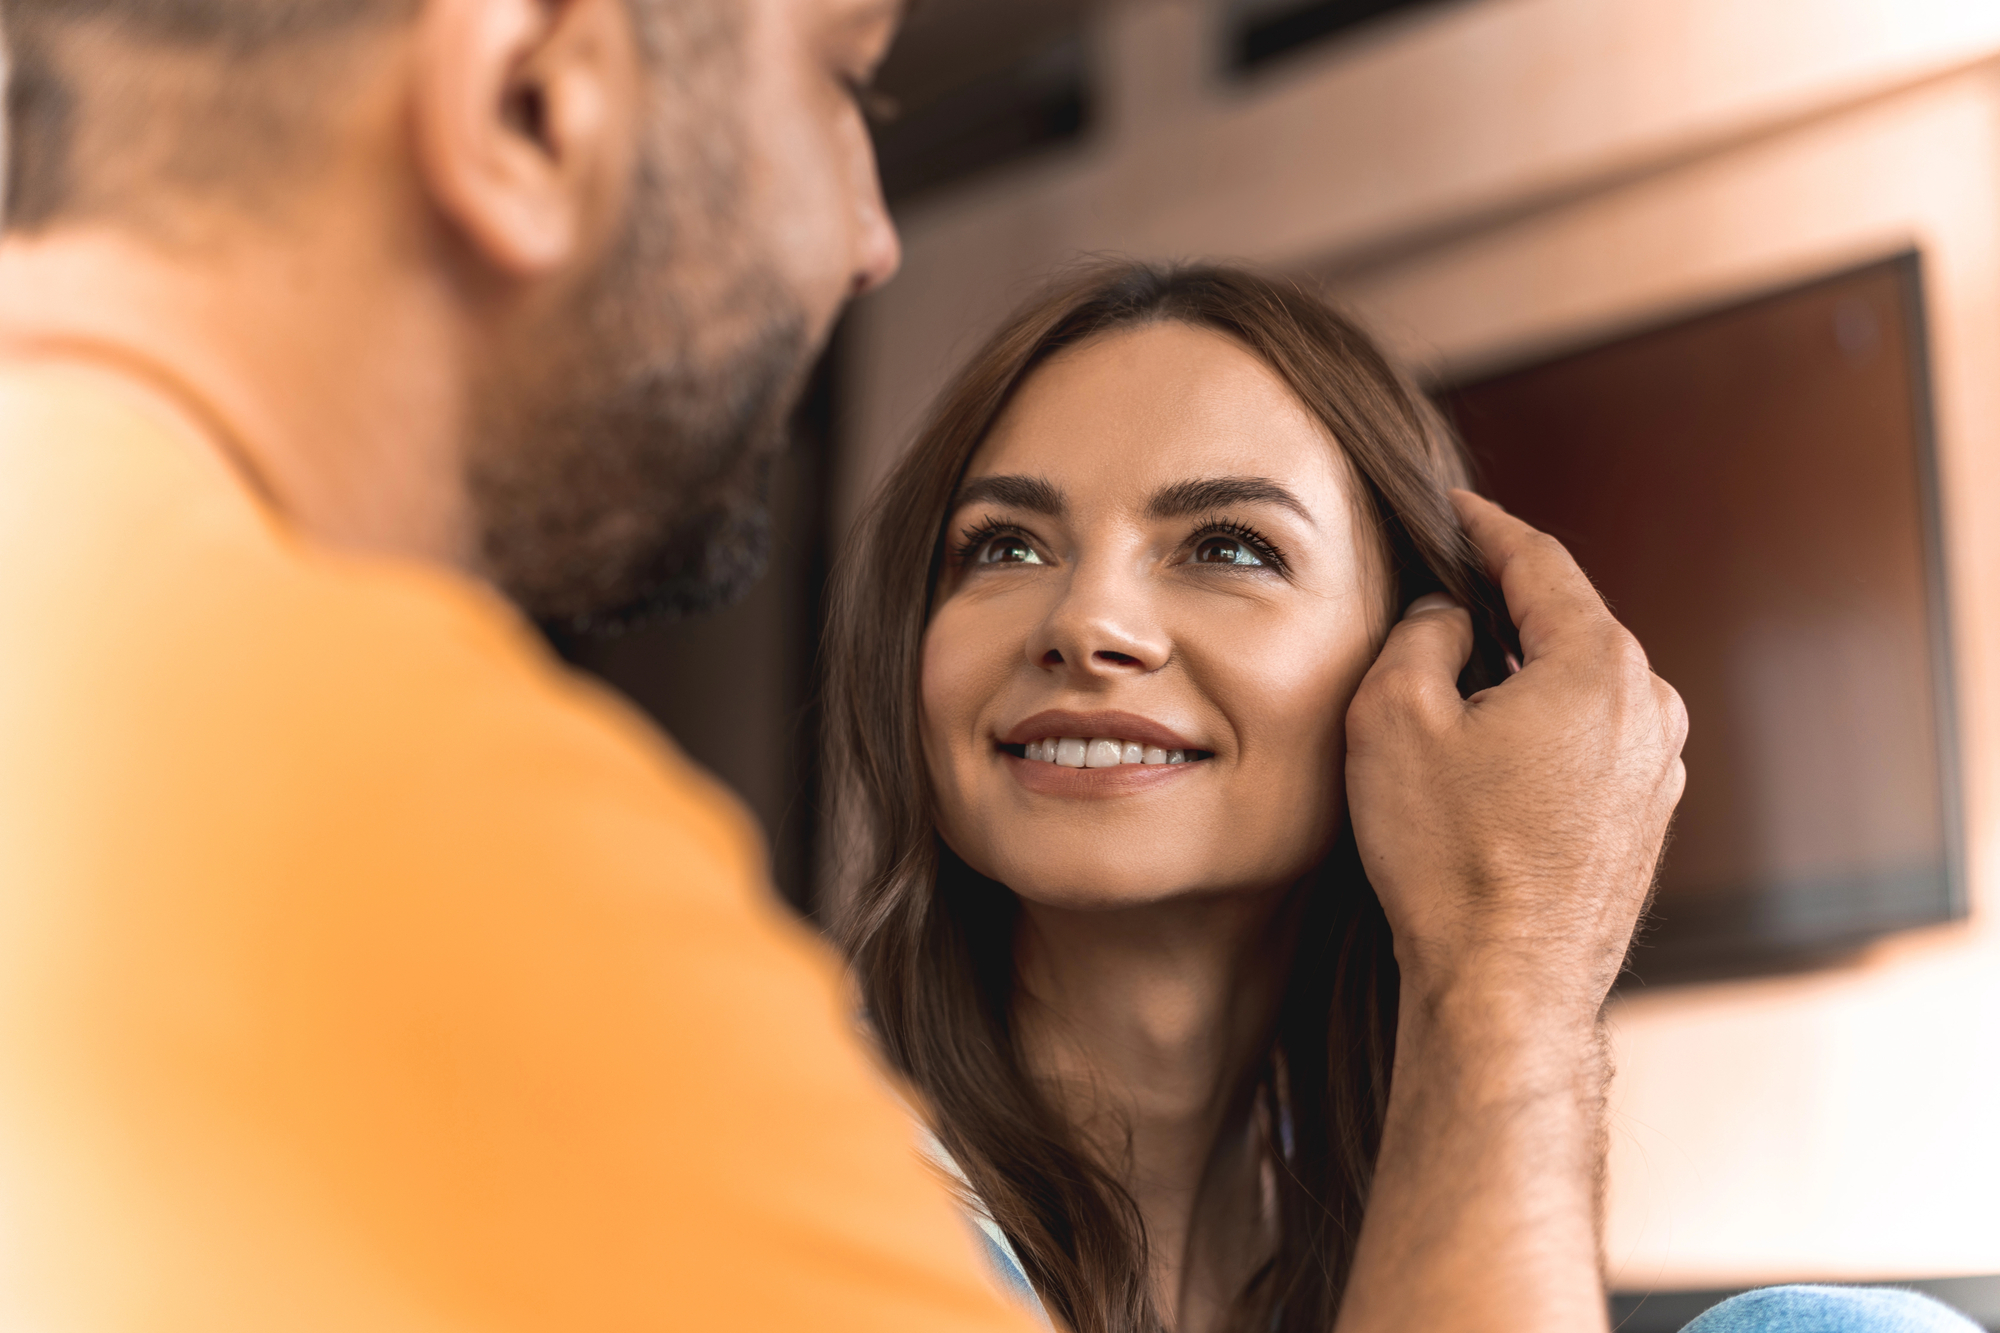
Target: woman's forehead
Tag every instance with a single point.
(1123, 415)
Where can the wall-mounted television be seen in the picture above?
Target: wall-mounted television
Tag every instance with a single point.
(1754, 490)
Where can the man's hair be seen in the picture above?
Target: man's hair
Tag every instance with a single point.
(50, 87)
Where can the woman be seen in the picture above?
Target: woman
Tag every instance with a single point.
(1169, 514)
(1089, 670)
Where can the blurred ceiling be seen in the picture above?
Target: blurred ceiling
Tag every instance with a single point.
(980, 83)
(948, 44)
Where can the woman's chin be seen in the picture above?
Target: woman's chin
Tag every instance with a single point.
(1102, 884)
(1097, 898)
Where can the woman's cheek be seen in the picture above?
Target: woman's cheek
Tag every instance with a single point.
(950, 669)
(962, 668)
(941, 694)
(1295, 700)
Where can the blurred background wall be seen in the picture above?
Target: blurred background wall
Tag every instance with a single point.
(1482, 180)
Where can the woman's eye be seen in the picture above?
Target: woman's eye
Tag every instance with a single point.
(1224, 551)
(1008, 551)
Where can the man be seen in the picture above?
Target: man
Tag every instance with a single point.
(360, 968)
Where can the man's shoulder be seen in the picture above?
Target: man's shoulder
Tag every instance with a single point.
(360, 871)
(171, 644)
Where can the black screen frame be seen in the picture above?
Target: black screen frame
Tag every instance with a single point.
(1773, 928)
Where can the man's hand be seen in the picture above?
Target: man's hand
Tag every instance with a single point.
(1513, 836)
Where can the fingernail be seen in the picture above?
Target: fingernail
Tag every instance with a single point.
(1430, 601)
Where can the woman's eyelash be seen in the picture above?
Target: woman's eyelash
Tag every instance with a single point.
(972, 539)
(1263, 547)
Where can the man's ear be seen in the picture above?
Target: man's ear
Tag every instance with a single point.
(526, 116)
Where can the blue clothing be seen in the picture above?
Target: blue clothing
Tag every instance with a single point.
(1007, 1271)
(1001, 1262)
(1831, 1310)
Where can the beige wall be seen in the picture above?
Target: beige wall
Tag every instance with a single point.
(1490, 176)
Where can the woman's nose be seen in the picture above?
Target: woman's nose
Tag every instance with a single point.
(1101, 627)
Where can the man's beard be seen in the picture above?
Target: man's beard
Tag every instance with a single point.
(626, 476)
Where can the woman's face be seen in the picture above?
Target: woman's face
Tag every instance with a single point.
(1155, 553)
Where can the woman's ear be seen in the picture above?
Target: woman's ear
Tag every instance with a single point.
(527, 124)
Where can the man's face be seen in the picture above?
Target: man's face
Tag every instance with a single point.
(622, 451)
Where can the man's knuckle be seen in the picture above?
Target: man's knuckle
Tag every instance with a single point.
(1397, 707)
(1676, 712)
(1369, 702)
(1398, 692)
(1542, 545)
(1625, 661)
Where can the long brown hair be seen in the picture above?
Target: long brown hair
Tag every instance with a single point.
(932, 940)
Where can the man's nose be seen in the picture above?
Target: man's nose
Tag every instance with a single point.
(878, 249)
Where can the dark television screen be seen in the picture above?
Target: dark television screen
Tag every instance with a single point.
(1753, 491)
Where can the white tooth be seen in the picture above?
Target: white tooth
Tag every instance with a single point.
(1155, 755)
(1134, 753)
(1046, 749)
(1104, 754)
(1070, 751)
(1032, 750)
(1177, 756)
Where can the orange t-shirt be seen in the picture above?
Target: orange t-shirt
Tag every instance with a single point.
(362, 968)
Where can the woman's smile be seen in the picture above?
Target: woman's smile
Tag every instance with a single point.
(1044, 778)
(1098, 754)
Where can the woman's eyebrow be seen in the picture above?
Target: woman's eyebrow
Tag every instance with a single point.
(1185, 498)
(1034, 494)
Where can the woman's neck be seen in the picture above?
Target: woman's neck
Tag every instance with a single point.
(1147, 1027)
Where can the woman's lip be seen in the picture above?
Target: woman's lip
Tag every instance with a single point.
(1122, 780)
(1108, 723)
